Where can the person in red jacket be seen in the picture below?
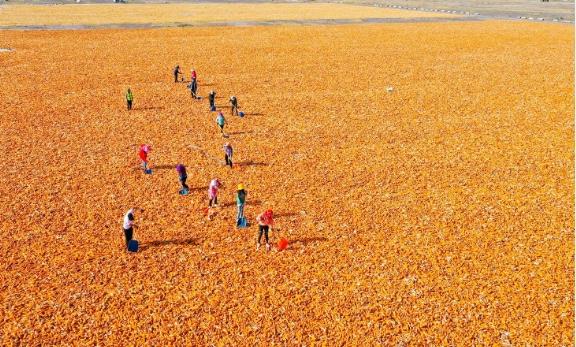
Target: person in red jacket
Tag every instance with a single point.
(193, 84)
(265, 223)
(143, 154)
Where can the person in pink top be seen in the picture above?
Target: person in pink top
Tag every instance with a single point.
(215, 184)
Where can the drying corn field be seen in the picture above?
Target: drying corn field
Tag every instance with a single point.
(423, 174)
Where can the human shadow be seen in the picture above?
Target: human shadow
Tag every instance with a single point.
(298, 244)
(145, 108)
(251, 163)
(208, 85)
(241, 132)
(197, 189)
(248, 202)
(254, 114)
(176, 242)
(305, 241)
(285, 214)
(164, 166)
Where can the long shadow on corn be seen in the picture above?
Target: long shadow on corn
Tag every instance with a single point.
(173, 242)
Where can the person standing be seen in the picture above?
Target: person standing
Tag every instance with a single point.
(213, 192)
(182, 176)
(193, 89)
(177, 72)
(129, 98)
(234, 105)
(221, 121)
(212, 100)
(228, 151)
(193, 84)
(240, 202)
(128, 226)
(143, 154)
(265, 223)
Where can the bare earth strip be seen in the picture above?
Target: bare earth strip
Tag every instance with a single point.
(244, 23)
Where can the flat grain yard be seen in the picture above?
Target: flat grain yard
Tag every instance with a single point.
(422, 174)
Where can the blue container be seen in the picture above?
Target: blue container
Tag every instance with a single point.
(133, 246)
(148, 171)
(241, 114)
(242, 223)
(183, 191)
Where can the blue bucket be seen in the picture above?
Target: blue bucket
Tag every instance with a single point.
(242, 222)
(133, 246)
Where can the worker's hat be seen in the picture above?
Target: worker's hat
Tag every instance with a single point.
(240, 186)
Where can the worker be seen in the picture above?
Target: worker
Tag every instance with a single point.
(193, 75)
(177, 72)
(128, 226)
(193, 84)
(228, 151)
(215, 184)
(221, 121)
(212, 99)
(234, 106)
(129, 99)
(265, 223)
(240, 202)
(193, 89)
(182, 176)
(143, 154)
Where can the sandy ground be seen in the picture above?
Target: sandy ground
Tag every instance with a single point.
(441, 213)
(100, 14)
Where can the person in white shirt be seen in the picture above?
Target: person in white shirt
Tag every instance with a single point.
(128, 225)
